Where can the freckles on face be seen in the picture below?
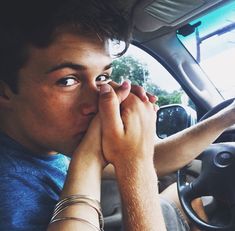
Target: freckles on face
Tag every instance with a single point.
(58, 91)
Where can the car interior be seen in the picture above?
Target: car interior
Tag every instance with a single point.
(166, 30)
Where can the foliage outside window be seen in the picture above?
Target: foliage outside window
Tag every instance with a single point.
(130, 67)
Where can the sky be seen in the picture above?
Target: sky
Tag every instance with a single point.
(217, 52)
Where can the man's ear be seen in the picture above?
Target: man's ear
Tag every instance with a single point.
(5, 95)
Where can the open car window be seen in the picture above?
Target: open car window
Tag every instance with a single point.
(211, 41)
(142, 69)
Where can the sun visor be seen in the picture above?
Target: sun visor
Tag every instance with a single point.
(152, 15)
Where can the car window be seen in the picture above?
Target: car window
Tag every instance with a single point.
(211, 41)
(142, 69)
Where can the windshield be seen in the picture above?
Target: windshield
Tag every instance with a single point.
(211, 41)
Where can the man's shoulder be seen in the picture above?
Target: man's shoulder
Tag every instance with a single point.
(14, 156)
(25, 165)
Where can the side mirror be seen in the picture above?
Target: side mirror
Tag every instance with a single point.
(174, 118)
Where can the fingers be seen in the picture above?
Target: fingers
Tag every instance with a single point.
(145, 96)
(133, 110)
(123, 91)
(152, 98)
(109, 111)
(135, 89)
(155, 107)
(128, 130)
(139, 92)
(114, 85)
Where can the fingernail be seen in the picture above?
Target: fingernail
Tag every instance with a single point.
(126, 83)
(154, 97)
(145, 98)
(105, 89)
(155, 107)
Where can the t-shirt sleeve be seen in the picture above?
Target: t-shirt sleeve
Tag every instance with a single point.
(26, 203)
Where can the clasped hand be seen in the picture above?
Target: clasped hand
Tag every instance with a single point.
(124, 129)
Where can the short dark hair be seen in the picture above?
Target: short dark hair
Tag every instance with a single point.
(34, 22)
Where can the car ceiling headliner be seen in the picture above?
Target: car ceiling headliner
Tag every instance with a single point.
(162, 16)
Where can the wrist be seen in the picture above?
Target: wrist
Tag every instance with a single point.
(87, 160)
(84, 177)
(222, 121)
(229, 119)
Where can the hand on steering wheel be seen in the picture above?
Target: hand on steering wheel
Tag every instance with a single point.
(215, 179)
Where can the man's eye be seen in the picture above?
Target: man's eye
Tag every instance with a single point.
(103, 78)
(67, 81)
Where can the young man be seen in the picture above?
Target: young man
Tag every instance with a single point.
(55, 66)
(54, 75)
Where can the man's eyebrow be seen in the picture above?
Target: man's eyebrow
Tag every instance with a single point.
(70, 65)
(108, 66)
(74, 66)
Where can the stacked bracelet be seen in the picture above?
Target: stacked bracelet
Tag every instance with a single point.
(74, 200)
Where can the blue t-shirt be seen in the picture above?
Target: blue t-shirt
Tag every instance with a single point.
(29, 186)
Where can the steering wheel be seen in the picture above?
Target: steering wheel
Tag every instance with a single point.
(215, 179)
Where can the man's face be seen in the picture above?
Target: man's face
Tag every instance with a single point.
(58, 93)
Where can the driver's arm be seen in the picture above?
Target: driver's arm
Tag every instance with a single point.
(179, 149)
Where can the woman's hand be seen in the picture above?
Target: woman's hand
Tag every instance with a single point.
(136, 90)
(128, 131)
(91, 145)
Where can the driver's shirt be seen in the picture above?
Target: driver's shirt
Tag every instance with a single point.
(29, 186)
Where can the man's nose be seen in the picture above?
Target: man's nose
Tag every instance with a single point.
(90, 101)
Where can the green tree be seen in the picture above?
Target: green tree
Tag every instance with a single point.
(164, 97)
(128, 67)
